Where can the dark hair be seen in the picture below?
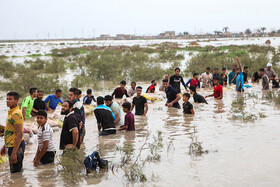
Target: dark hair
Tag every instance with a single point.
(123, 82)
(208, 68)
(153, 81)
(234, 65)
(14, 94)
(139, 87)
(69, 103)
(42, 113)
(217, 79)
(80, 92)
(126, 105)
(187, 95)
(32, 90)
(216, 69)
(100, 100)
(177, 69)
(40, 91)
(273, 76)
(89, 91)
(261, 69)
(245, 67)
(58, 91)
(75, 91)
(133, 82)
(165, 80)
(195, 74)
(193, 88)
(108, 98)
(224, 69)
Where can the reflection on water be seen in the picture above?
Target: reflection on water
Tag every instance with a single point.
(242, 152)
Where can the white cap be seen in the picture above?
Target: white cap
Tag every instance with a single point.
(268, 65)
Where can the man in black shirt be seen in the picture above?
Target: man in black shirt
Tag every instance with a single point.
(39, 104)
(176, 80)
(256, 78)
(172, 96)
(187, 106)
(140, 103)
(216, 74)
(197, 97)
(69, 137)
(245, 74)
(105, 118)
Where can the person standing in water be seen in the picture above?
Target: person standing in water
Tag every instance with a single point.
(46, 149)
(239, 79)
(172, 96)
(218, 90)
(152, 87)
(129, 118)
(206, 78)
(115, 109)
(89, 98)
(140, 103)
(231, 76)
(187, 106)
(194, 81)
(265, 79)
(176, 80)
(28, 102)
(53, 100)
(132, 90)
(161, 87)
(224, 76)
(197, 97)
(13, 134)
(39, 104)
(120, 91)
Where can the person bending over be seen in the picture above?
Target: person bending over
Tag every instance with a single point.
(218, 90)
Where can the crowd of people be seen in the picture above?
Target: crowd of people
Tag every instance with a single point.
(108, 113)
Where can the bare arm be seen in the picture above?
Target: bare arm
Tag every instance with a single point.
(239, 65)
(41, 153)
(99, 126)
(146, 109)
(23, 112)
(18, 130)
(132, 107)
(178, 97)
(75, 134)
(118, 119)
(192, 111)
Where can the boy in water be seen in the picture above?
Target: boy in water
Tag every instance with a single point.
(129, 118)
(194, 81)
(140, 103)
(224, 76)
(187, 106)
(88, 98)
(197, 97)
(275, 83)
(152, 87)
(218, 90)
(120, 91)
(46, 148)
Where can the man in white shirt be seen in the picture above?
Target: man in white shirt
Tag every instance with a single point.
(132, 90)
(206, 78)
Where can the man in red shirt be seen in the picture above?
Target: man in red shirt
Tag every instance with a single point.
(152, 87)
(218, 90)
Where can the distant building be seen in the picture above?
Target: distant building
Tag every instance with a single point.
(167, 35)
(125, 37)
(105, 37)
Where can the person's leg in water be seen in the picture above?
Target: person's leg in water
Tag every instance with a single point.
(20, 155)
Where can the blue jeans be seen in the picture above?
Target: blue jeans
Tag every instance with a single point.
(20, 155)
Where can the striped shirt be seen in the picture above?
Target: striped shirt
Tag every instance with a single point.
(45, 134)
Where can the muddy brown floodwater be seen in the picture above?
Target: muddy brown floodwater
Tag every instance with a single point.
(237, 152)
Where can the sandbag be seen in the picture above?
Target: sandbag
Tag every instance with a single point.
(31, 126)
(88, 109)
(3, 159)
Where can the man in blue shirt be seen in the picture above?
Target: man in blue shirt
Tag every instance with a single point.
(172, 96)
(53, 100)
(88, 98)
(105, 118)
(239, 79)
(231, 76)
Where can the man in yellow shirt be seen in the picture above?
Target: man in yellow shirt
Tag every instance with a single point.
(13, 134)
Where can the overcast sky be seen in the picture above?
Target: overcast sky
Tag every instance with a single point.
(34, 19)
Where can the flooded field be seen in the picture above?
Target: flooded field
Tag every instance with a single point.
(235, 152)
(231, 142)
